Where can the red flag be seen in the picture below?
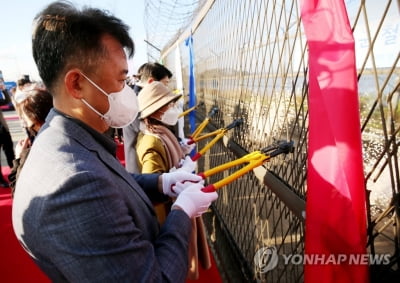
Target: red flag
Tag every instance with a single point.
(335, 234)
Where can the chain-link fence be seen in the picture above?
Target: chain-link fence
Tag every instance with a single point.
(251, 63)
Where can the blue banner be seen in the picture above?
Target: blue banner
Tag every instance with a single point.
(192, 84)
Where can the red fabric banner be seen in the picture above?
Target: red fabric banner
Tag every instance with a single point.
(335, 230)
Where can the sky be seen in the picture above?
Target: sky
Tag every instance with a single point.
(16, 29)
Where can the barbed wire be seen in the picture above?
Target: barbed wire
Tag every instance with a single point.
(165, 21)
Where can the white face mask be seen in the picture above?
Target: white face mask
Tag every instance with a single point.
(123, 106)
(170, 117)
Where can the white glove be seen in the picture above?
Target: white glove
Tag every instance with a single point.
(170, 179)
(193, 201)
(187, 148)
(188, 164)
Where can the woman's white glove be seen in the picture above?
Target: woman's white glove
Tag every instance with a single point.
(170, 180)
(188, 164)
(193, 201)
(186, 147)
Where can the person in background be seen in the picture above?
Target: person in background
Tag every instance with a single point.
(150, 72)
(33, 109)
(20, 94)
(159, 151)
(132, 81)
(76, 210)
(24, 84)
(6, 142)
(147, 73)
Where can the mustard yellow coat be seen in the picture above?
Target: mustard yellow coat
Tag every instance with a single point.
(152, 157)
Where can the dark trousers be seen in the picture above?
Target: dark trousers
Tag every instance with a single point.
(8, 147)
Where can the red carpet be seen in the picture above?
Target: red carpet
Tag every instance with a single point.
(17, 267)
(209, 275)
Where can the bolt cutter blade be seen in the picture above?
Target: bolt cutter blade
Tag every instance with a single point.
(234, 124)
(279, 147)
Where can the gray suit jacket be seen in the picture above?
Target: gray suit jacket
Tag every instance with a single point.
(83, 218)
(130, 134)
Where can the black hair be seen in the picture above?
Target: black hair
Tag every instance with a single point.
(65, 37)
(153, 70)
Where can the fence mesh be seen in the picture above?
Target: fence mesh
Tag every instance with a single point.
(251, 63)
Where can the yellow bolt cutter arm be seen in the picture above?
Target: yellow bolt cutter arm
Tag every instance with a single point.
(218, 135)
(184, 113)
(254, 159)
(203, 124)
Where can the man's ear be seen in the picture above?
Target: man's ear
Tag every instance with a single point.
(73, 82)
(150, 80)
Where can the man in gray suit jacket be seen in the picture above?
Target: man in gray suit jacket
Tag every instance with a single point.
(79, 214)
(148, 72)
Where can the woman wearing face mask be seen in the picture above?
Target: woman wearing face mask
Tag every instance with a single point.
(159, 151)
(33, 111)
(157, 147)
